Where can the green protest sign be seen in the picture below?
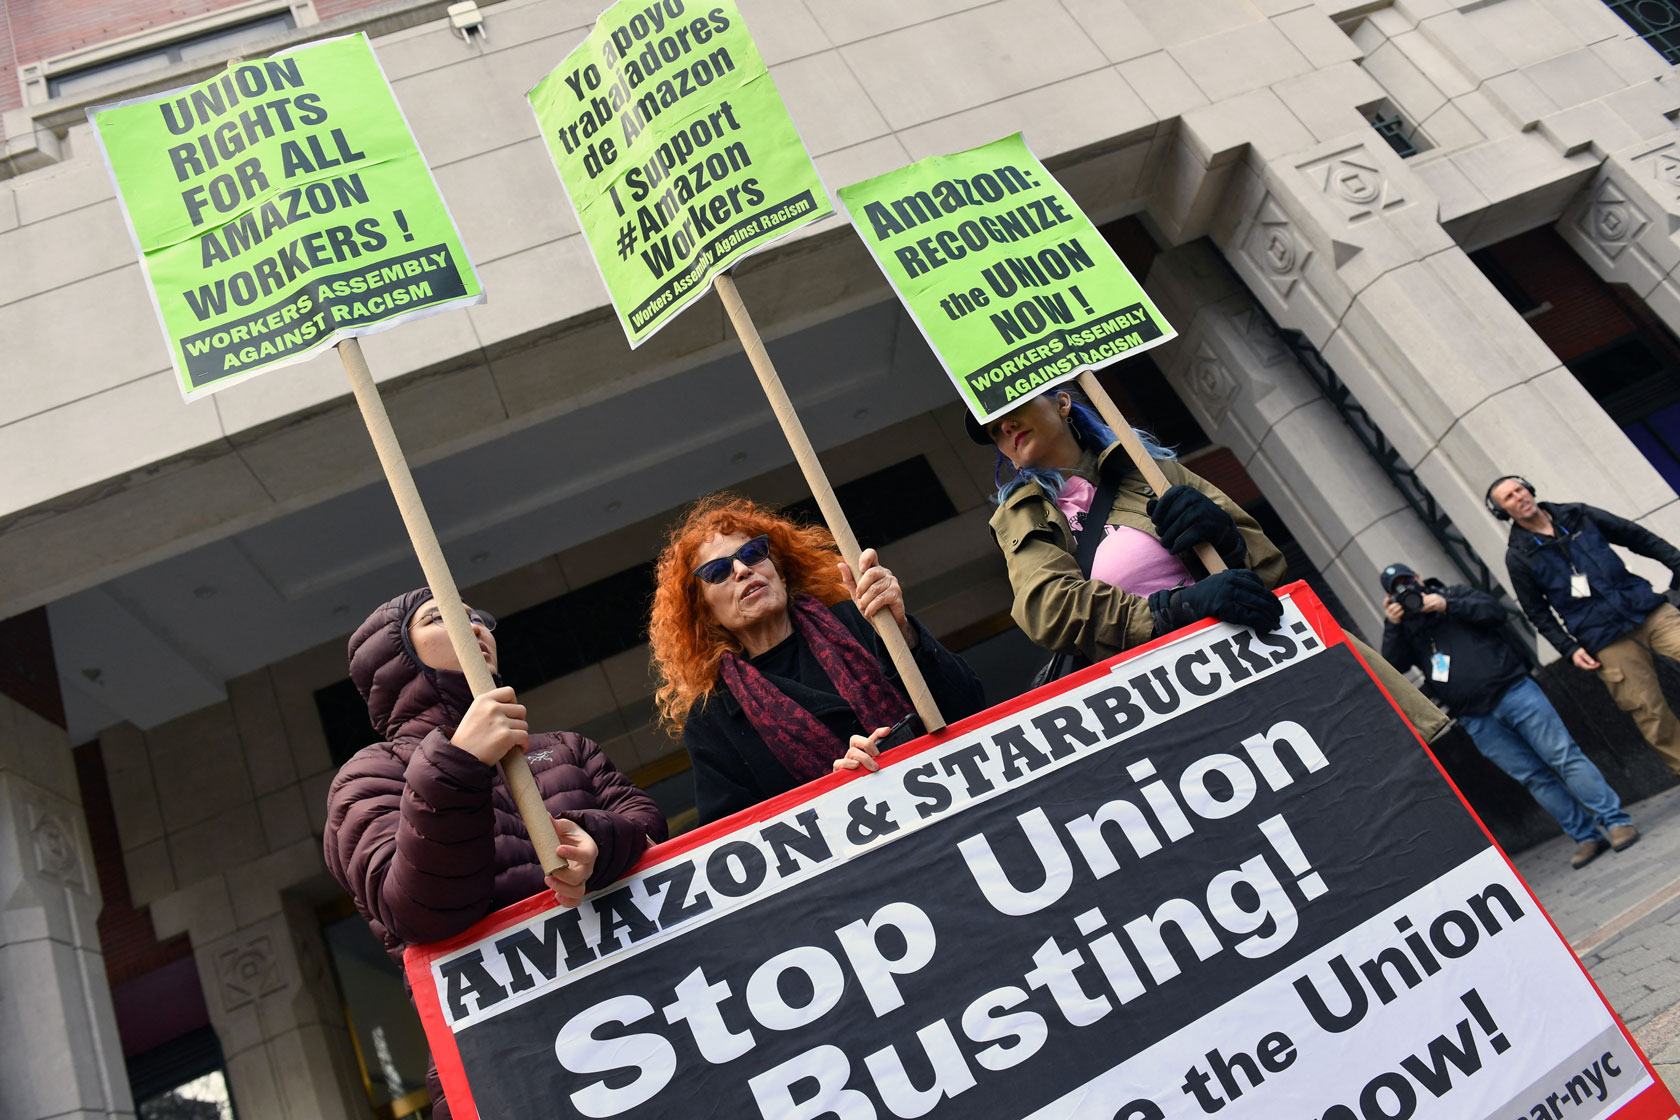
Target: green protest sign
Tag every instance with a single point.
(279, 207)
(1009, 281)
(676, 152)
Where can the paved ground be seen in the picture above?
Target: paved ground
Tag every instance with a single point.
(1621, 913)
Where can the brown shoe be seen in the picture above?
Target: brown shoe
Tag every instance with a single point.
(1623, 836)
(1588, 851)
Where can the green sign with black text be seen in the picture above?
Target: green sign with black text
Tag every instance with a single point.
(279, 207)
(1009, 281)
(676, 152)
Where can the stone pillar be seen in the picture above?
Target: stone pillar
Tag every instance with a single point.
(269, 988)
(1624, 223)
(1250, 394)
(61, 1056)
(1341, 241)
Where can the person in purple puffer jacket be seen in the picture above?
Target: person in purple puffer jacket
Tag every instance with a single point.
(422, 830)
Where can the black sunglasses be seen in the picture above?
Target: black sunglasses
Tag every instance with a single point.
(751, 553)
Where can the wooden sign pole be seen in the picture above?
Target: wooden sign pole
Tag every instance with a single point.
(514, 766)
(908, 672)
(1144, 462)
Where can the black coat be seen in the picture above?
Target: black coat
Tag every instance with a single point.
(733, 769)
(1471, 632)
(1620, 601)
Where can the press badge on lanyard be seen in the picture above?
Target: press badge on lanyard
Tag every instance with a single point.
(1439, 666)
(1578, 588)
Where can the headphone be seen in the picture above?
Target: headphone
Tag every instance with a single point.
(1493, 506)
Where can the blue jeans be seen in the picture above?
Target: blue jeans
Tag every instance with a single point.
(1525, 738)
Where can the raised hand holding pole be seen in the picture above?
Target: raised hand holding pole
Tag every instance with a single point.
(514, 766)
(1141, 458)
(806, 455)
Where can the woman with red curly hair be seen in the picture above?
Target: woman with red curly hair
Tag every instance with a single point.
(769, 668)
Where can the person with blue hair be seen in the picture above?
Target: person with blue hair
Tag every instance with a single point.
(1054, 455)
(1086, 599)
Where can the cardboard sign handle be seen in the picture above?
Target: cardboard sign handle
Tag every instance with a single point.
(1145, 463)
(891, 637)
(514, 766)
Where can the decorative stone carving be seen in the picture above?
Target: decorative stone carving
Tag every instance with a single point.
(1276, 253)
(1280, 248)
(52, 834)
(248, 972)
(311, 967)
(1261, 337)
(1610, 221)
(1662, 165)
(1666, 169)
(1210, 383)
(1354, 183)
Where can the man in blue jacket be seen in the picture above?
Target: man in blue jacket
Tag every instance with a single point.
(1456, 637)
(1612, 621)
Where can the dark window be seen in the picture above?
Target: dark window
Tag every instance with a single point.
(215, 45)
(344, 718)
(1631, 378)
(579, 628)
(182, 1080)
(1623, 355)
(1508, 285)
(544, 642)
(888, 505)
(1638, 386)
(1658, 438)
(1657, 21)
(1394, 129)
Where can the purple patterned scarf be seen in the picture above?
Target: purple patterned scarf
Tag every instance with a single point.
(800, 741)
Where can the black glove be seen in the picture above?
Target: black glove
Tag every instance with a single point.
(1185, 517)
(1237, 595)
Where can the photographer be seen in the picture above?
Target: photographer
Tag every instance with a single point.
(1455, 637)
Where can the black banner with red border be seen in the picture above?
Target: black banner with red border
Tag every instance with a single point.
(1218, 873)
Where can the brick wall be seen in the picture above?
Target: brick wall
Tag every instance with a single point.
(131, 946)
(154, 984)
(1584, 315)
(37, 29)
(44, 28)
(332, 9)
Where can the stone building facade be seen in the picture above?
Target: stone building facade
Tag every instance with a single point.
(1327, 199)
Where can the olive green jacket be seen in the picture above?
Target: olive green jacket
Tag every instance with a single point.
(1061, 609)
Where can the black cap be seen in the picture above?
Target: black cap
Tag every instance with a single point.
(1393, 574)
(976, 430)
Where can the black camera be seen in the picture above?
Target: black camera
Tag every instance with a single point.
(1410, 594)
(1410, 598)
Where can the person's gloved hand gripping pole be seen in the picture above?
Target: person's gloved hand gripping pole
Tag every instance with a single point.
(1238, 596)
